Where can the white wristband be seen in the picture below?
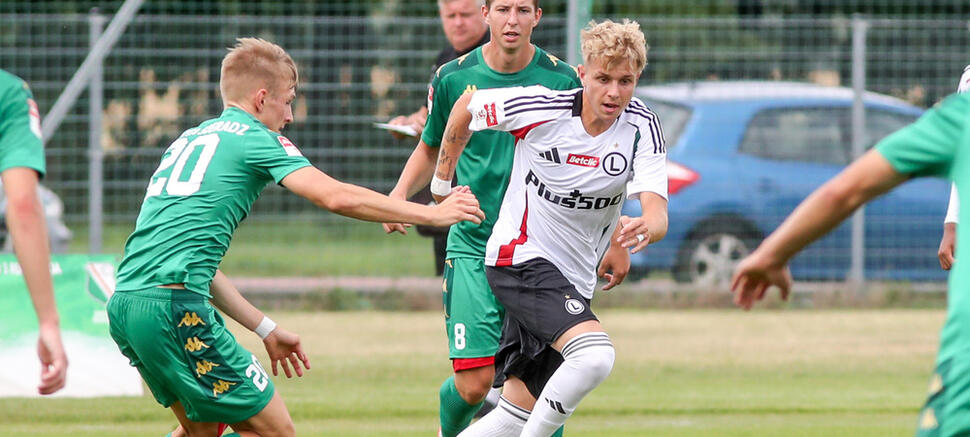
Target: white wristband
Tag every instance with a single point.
(440, 187)
(265, 327)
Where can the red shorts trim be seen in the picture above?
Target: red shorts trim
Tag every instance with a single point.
(471, 363)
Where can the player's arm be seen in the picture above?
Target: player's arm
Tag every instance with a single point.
(947, 249)
(415, 176)
(25, 220)
(282, 346)
(868, 177)
(360, 203)
(457, 134)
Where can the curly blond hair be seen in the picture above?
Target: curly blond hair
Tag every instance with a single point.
(614, 43)
(255, 63)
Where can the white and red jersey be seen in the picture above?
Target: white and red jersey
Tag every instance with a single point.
(567, 187)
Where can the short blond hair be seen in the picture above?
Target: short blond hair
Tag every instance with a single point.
(614, 43)
(255, 63)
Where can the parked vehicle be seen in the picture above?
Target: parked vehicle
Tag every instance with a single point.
(743, 154)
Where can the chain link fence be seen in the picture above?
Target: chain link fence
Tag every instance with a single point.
(365, 62)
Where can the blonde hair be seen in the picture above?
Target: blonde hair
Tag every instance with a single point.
(614, 43)
(255, 63)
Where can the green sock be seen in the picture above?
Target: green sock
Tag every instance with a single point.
(454, 413)
(558, 432)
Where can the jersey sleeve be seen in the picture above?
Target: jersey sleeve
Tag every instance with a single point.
(276, 155)
(927, 147)
(649, 159)
(439, 108)
(509, 109)
(20, 134)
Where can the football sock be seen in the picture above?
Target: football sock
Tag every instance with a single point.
(558, 432)
(454, 413)
(506, 419)
(587, 361)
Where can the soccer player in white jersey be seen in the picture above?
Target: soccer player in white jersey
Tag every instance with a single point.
(948, 242)
(578, 154)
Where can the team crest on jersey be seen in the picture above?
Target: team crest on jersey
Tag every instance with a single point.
(583, 160)
(574, 306)
(614, 164)
(288, 146)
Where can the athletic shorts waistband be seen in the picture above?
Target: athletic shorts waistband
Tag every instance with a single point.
(164, 294)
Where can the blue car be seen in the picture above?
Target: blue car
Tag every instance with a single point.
(742, 155)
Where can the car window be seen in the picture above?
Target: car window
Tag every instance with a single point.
(798, 134)
(673, 119)
(880, 123)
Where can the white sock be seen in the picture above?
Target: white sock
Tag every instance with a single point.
(588, 360)
(506, 419)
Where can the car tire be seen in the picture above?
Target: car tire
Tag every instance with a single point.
(710, 253)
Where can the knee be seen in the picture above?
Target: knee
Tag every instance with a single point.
(592, 355)
(473, 388)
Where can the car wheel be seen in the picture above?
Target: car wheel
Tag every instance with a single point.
(709, 256)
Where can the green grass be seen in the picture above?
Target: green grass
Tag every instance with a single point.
(678, 373)
(340, 247)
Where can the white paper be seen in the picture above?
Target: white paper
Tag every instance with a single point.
(401, 129)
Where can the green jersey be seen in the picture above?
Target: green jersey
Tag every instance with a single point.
(486, 163)
(20, 140)
(204, 186)
(938, 144)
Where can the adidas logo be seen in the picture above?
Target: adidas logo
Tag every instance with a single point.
(556, 405)
(551, 155)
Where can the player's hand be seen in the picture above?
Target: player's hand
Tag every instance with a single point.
(53, 360)
(396, 227)
(460, 205)
(634, 234)
(947, 246)
(416, 121)
(754, 275)
(614, 266)
(284, 349)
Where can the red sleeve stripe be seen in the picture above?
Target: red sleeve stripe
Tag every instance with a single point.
(521, 132)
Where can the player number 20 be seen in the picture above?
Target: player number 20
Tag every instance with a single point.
(459, 336)
(178, 155)
(259, 376)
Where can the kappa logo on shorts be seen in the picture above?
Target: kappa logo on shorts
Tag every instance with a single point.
(203, 367)
(191, 319)
(220, 387)
(574, 306)
(928, 420)
(194, 344)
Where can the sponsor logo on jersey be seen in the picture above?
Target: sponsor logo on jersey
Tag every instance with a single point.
(220, 387)
(614, 164)
(583, 160)
(430, 97)
(34, 114)
(288, 146)
(490, 118)
(190, 319)
(551, 155)
(574, 306)
(575, 200)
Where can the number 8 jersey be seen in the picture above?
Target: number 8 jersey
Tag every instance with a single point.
(567, 187)
(204, 186)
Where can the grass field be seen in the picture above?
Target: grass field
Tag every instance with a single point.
(678, 373)
(303, 248)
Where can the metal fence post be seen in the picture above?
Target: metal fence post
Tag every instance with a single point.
(577, 15)
(859, 29)
(95, 153)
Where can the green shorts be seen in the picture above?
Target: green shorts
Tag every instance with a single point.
(473, 317)
(947, 408)
(183, 351)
